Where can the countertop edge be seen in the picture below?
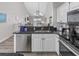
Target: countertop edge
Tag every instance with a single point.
(70, 46)
(34, 33)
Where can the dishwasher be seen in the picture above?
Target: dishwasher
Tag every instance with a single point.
(28, 43)
(23, 42)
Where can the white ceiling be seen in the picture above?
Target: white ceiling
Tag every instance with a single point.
(33, 6)
(57, 4)
(42, 6)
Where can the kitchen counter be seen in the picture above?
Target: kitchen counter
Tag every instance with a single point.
(70, 46)
(34, 32)
(22, 40)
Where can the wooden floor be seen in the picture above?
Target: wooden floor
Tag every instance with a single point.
(7, 46)
(40, 54)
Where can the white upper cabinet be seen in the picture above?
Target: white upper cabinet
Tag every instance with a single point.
(74, 5)
(62, 12)
(58, 14)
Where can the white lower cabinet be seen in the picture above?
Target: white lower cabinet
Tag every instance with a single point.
(57, 44)
(48, 45)
(43, 42)
(36, 45)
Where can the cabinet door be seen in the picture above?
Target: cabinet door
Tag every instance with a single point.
(43, 43)
(49, 43)
(62, 12)
(36, 43)
(74, 5)
(65, 7)
(57, 44)
(58, 14)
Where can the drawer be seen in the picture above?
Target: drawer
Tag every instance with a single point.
(45, 36)
(34, 36)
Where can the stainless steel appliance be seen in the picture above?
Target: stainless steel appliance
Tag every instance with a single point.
(73, 22)
(65, 33)
(73, 17)
(64, 51)
(23, 42)
(74, 35)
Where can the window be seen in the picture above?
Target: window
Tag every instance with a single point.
(2, 17)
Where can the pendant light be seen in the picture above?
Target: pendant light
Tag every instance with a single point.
(38, 13)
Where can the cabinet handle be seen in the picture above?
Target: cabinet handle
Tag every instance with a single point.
(43, 38)
(58, 41)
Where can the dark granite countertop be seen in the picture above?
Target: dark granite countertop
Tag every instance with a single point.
(62, 36)
(34, 32)
(69, 44)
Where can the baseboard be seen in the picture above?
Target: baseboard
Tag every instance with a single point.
(43, 51)
(6, 38)
(23, 52)
(32, 52)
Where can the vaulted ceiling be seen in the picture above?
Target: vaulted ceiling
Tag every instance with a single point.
(33, 6)
(43, 7)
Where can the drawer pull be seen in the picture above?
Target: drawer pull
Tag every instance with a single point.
(43, 38)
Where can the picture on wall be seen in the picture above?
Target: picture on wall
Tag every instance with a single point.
(2, 17)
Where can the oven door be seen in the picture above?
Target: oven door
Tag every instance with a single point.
(64, 51)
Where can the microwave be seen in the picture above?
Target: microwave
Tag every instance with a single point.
(73, 17)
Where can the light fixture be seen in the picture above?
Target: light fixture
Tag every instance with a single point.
(38, 13)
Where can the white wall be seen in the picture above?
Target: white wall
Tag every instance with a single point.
(54, 15)
(15, 11)
(32, 7)
(49, 11)
(44, 7)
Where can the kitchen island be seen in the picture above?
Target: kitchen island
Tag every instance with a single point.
(36, 32)
(42, 42)
(39, 41)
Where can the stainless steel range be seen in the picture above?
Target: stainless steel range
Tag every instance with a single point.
(73, 22)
